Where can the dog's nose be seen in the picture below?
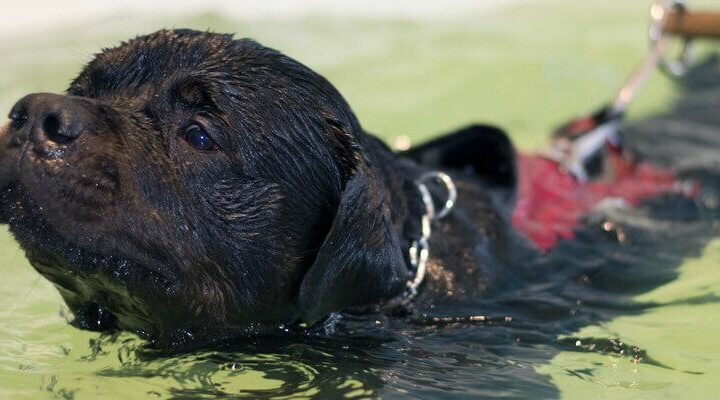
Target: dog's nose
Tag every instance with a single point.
(46, 118)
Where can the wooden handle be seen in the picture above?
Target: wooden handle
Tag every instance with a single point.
(695, 24)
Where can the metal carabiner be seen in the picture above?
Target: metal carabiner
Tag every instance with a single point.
(660, 11)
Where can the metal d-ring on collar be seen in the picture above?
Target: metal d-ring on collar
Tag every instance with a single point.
(420, 249)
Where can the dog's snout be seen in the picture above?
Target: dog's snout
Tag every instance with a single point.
(46, 117)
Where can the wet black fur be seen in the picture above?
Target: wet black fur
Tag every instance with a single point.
(297, 214)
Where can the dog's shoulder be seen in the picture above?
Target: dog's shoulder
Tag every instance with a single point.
(480, 151)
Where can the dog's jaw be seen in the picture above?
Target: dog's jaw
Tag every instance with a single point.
(7, 169)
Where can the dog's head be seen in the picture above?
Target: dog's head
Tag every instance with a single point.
(189, 182)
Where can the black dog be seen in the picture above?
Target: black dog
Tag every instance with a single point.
(191, 187)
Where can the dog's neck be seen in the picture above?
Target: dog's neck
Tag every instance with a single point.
(418, 196)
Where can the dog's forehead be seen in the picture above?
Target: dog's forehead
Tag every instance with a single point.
(147, 63)
(235, 77)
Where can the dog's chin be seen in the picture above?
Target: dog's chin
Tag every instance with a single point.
(3, 207)
(7, 192)
(8, 178)
(103, 291)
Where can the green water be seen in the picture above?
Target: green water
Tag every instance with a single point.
(526, 67)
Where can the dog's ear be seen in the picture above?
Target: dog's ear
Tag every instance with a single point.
(360, 261)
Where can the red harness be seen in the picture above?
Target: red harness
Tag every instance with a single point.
(551, 203)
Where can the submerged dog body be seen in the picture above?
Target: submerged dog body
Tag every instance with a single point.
(191, 187)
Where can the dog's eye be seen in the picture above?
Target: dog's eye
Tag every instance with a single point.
(198, 138)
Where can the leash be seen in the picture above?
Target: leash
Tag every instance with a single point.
(419, 251)
(578, 142)
(426, 320)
